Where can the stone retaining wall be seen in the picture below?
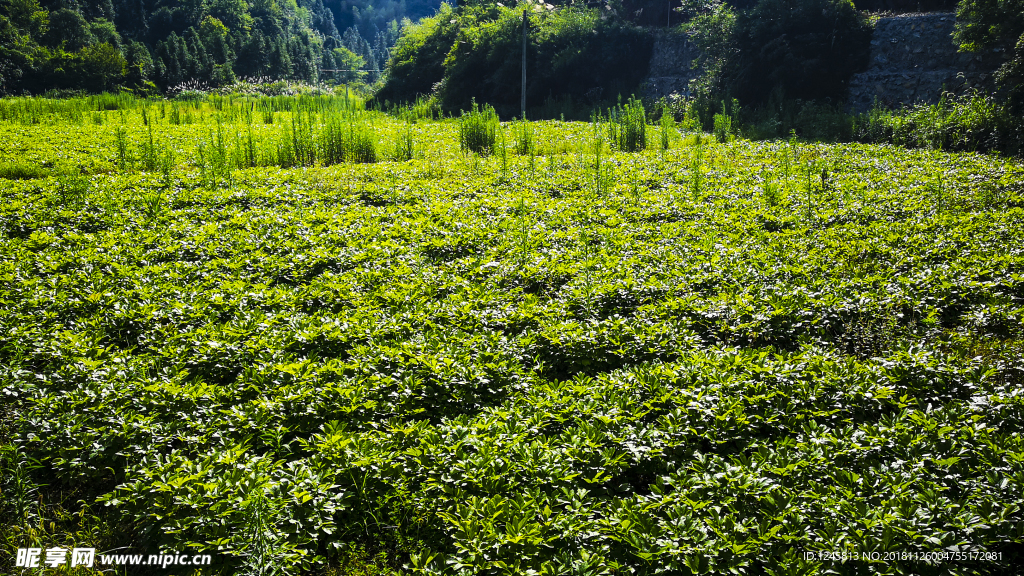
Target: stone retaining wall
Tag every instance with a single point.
(671, 68)
(913, 59)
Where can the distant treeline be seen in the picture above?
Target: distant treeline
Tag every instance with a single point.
(151, 45)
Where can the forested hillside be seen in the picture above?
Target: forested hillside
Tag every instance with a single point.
(151, 45)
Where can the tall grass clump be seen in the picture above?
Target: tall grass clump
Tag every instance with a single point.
(425, 108)
(524, 138)
(667, 125)
(478, 129)
(362, 143)
(214, 160)
(403, 143)
(250, 150)
(283, 152)
(304, 152)
(723, 126)
(21, 493)
(503, 152)
(597, 142)
(770, 190)
(344, 138)
(627, 126)
(810, 169)
(332, 141)
(22, 170)
(124, 156)
(149, 155)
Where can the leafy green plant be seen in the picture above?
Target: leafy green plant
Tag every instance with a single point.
(124, 158)
(597, 145)
(810, 171)
(523, 231)
(503, 152)
(149, 155)
(20, 492)
(770, 190)
(72, 185)
(263, 558)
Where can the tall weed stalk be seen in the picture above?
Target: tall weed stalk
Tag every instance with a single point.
(478, 129)
(628, 126)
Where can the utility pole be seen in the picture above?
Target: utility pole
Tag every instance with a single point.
(522, 99)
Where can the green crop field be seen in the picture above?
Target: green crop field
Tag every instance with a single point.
(313, 339)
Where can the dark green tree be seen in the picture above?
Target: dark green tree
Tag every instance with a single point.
(254, 55)
(103, 30)
(996, 25)
(233, 13)
(68, 29)
(22, 24)
(27, 16)
(280, 61)
(807, 48)
(103, 67)
(138, 64)
(200, 65)
(131, 18)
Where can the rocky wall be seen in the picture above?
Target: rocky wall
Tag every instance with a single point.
(672, 65)
(914, 59)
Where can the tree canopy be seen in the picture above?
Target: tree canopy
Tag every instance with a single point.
(996, 25)
(160, 44)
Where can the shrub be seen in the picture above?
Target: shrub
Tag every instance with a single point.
(723, 127)
(524, 138)
(72, 185)
(956, 124)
